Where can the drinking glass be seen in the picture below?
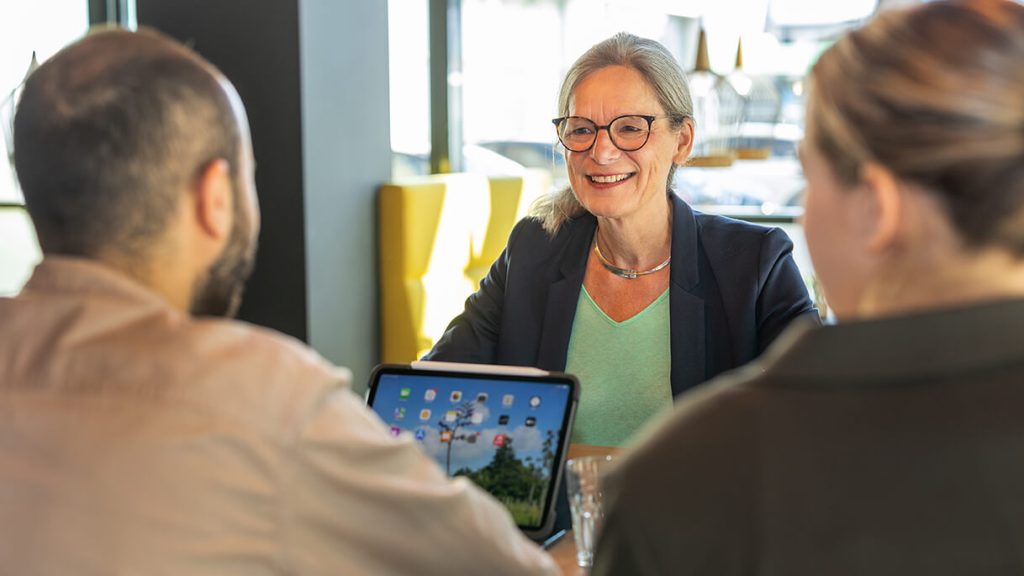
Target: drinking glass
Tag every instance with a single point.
(586, 503)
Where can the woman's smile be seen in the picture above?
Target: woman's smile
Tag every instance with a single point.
(609, 180)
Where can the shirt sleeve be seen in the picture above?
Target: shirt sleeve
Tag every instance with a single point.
(363, 502)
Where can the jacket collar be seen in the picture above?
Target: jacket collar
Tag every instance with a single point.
(94, 279)
(905, 348)
(564, 292)
(684, 244)
(687, 334)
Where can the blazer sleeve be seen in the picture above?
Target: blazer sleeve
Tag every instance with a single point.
(783, 294)
(473, 335)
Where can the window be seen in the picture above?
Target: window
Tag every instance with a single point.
(409, 85)
(516, 52)
(40, 28)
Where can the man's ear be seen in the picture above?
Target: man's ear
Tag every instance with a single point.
(886, 206)
(213, 198)
(684, 144)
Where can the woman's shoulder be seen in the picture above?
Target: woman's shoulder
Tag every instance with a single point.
(722, 231)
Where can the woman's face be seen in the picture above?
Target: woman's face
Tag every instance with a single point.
(611, 183)
(834, 236)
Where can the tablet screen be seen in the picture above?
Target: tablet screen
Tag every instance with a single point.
(506, 433)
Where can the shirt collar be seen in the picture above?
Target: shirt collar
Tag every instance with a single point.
(89, 277)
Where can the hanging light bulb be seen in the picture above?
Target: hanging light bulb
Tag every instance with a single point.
(717, 108)
(759, 112)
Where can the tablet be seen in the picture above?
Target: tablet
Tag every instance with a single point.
(505, 428)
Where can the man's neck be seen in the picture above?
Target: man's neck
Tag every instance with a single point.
(157, 272)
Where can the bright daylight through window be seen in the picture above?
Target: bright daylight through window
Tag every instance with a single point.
(40, 27)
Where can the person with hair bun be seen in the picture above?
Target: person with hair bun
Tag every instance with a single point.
(888, 443)
(616, 279)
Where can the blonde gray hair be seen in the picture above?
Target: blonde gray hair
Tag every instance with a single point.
(935, 94)
(661, 71)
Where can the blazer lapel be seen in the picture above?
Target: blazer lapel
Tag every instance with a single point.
(686, 313)
(563, 295)
(688, 338)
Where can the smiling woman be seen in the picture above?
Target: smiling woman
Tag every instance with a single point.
(671, 298)
(884, 441)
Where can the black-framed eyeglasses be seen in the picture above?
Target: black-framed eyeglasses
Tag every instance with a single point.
(628, 133)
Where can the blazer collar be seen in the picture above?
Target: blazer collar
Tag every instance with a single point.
(573, 257)
(564, 292)
(687, 338)
(684, 244)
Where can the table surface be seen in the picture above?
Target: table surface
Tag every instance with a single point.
(564, 551)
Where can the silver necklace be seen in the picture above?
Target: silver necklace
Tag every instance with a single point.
(627, 273)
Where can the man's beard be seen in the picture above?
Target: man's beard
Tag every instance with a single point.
(219, 291)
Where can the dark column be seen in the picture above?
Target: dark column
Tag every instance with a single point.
(314, 77)
(256, 45)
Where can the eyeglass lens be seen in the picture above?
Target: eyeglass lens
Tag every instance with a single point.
(628, 133)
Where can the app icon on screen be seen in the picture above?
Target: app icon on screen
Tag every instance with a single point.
(450, 416)
(425, 414)
(456, 396)
(421, 434)
(503, 419)
(395, 430)
(430, 394)
(481, 398)
(531, 421)
(500, 440)
(507, 400)
(400, 412)
(404, 393)
(534, 401)
(446, 436)
(476, 418)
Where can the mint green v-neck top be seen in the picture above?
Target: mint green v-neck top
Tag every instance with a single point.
(624, 370)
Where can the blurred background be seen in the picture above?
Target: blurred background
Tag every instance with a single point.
(471, 86)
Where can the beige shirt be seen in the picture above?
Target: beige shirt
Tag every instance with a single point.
(137, 440)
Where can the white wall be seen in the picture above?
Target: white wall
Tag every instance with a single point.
(346, 155)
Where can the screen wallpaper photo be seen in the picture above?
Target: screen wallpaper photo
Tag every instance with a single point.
(503, 437)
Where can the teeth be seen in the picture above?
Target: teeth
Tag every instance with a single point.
(609, 179)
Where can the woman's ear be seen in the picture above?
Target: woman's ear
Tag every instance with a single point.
(684, 145)
(885, 207)
(213, 197)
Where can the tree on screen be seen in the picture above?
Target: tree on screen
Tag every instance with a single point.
(450, 430)
(539, 471)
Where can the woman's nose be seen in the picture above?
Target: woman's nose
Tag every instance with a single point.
(604, 151)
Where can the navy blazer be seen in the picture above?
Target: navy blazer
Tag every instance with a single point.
(734, 286)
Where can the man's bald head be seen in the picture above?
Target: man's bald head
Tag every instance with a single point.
(110, 132)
